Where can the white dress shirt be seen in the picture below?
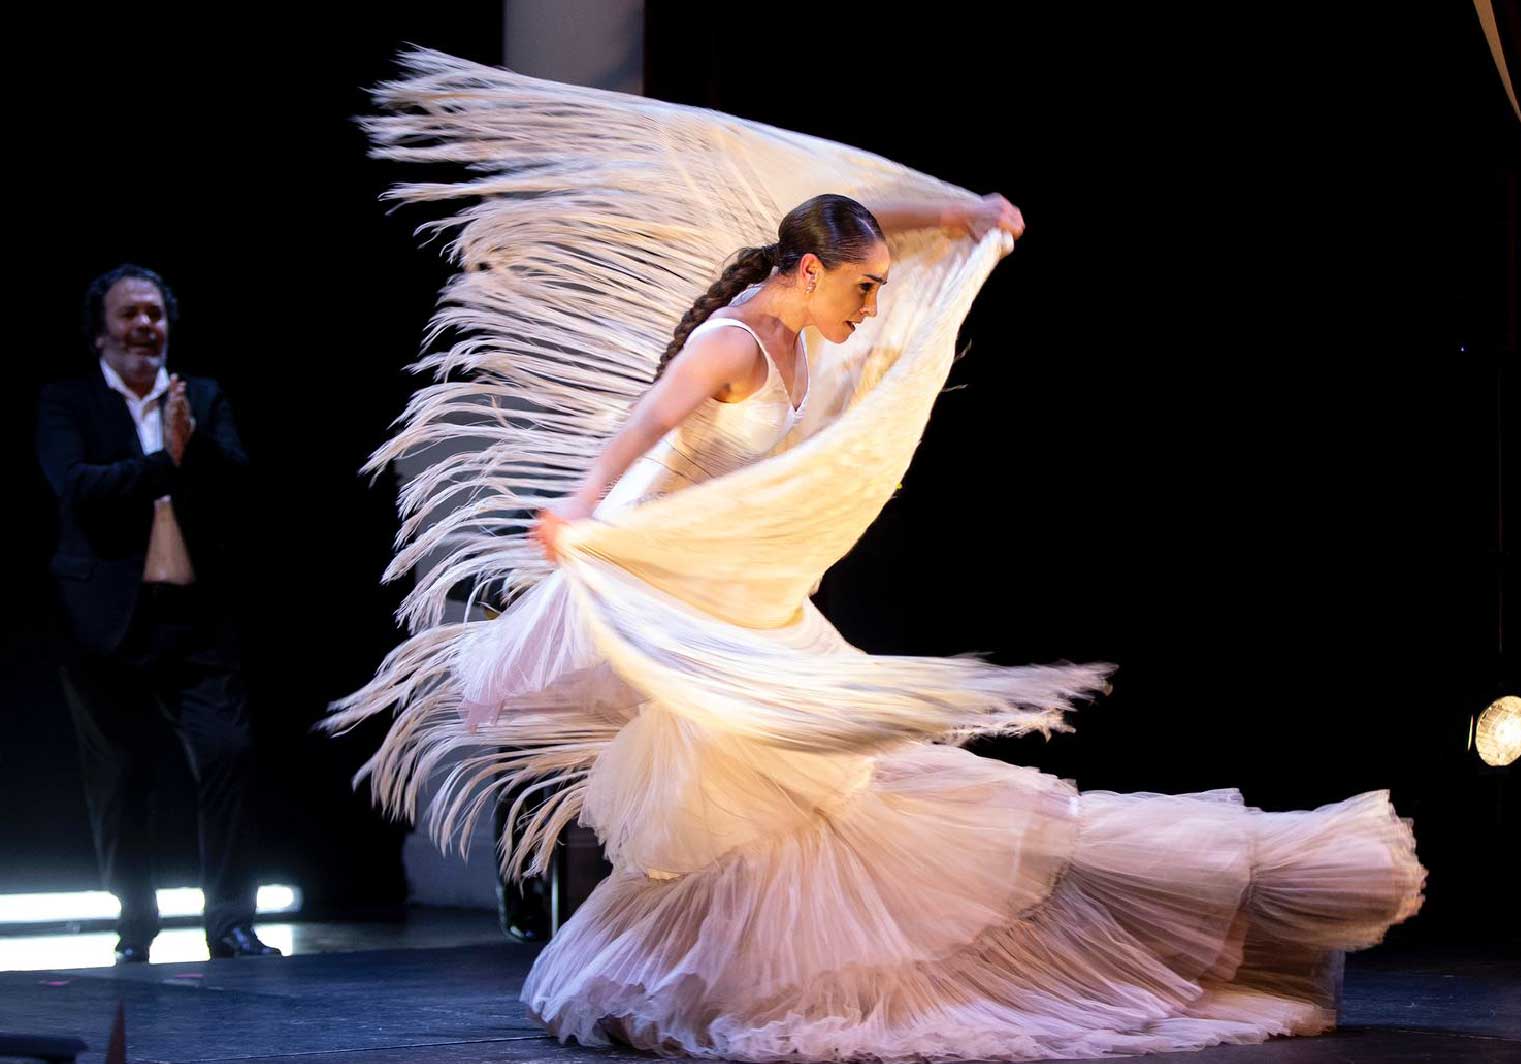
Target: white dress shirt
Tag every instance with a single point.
(168, 560)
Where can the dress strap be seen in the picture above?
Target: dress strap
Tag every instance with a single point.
(769, 360)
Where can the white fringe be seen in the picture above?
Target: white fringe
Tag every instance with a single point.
(600, 219)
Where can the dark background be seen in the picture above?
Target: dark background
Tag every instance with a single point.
(1230, 416)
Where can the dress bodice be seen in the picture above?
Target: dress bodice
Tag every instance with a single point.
(717, 437)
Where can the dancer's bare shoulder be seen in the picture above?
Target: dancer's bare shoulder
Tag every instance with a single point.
(724, 364)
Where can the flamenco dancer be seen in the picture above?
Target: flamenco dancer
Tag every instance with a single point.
(674, 442)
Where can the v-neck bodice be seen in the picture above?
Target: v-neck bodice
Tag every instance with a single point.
(773, 370)
(716, 437)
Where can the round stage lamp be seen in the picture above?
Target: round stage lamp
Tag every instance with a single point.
(1498, 736)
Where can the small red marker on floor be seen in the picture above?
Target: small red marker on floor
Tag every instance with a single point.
(116, 1049)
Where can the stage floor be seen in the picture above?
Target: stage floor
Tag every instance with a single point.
(443, 987)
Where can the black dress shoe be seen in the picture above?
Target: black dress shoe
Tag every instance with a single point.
(131, 953)
(240, 942)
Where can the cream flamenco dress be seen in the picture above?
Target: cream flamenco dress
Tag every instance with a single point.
(807, 863)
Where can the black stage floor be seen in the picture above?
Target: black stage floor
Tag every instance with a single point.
(438, 1000)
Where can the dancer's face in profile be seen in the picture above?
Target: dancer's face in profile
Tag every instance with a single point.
(846, 295)
(136, 332)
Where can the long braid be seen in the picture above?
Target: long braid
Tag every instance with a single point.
(752, 265)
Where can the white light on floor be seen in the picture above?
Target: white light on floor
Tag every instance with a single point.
(99, 905)
(278, 898)
(50, 908)
(97, 949)
(180, 901)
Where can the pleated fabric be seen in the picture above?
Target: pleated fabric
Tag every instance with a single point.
(808, 865)
(959, 908)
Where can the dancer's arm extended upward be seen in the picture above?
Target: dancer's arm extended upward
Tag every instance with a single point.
(704, 368)
(896, 216)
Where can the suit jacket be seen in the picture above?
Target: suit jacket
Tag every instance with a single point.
(106, 485)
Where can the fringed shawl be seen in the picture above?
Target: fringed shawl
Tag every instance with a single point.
(599, 218)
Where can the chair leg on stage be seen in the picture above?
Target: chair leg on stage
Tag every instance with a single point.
(533, 910)
(524, 909)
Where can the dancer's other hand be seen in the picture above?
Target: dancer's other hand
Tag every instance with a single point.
(178, 422)
(994, 212)
(550, 520)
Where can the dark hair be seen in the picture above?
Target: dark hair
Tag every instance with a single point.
(835, 228)
(95, 298)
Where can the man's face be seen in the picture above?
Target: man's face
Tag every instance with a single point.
(136, 331)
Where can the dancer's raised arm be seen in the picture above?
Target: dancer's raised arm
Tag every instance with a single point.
(973, 219)
(708, 366)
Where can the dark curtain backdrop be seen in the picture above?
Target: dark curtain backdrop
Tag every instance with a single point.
(220, 150)
(1238, 386)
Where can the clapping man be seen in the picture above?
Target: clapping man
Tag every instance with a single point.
(148, 470)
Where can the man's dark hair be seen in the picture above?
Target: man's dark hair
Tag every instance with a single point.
(95, 298)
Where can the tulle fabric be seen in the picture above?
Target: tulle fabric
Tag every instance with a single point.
(805, 866)
(772, 902)
(954, 907)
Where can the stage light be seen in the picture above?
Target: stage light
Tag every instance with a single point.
(97, 949)
(51, 908)
(99, 905)
(278, 898)
(1498, 735)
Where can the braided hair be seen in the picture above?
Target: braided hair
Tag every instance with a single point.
(835, 228)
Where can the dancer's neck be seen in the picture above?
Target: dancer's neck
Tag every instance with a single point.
(777, 309)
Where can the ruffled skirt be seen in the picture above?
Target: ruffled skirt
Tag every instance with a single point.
(918, 902)
(931, 904)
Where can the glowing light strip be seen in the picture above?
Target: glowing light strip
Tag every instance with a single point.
(96, 949)
(100, 905)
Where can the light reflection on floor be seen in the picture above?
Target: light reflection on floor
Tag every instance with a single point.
(97, 949)
(418, 928)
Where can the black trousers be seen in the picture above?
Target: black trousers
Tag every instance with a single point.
(178, 663)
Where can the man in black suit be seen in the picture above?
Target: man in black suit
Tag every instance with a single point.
(148, 468)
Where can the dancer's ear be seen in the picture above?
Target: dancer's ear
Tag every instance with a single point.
(810, 271)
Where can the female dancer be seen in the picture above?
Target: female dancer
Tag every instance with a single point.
(807, 865)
